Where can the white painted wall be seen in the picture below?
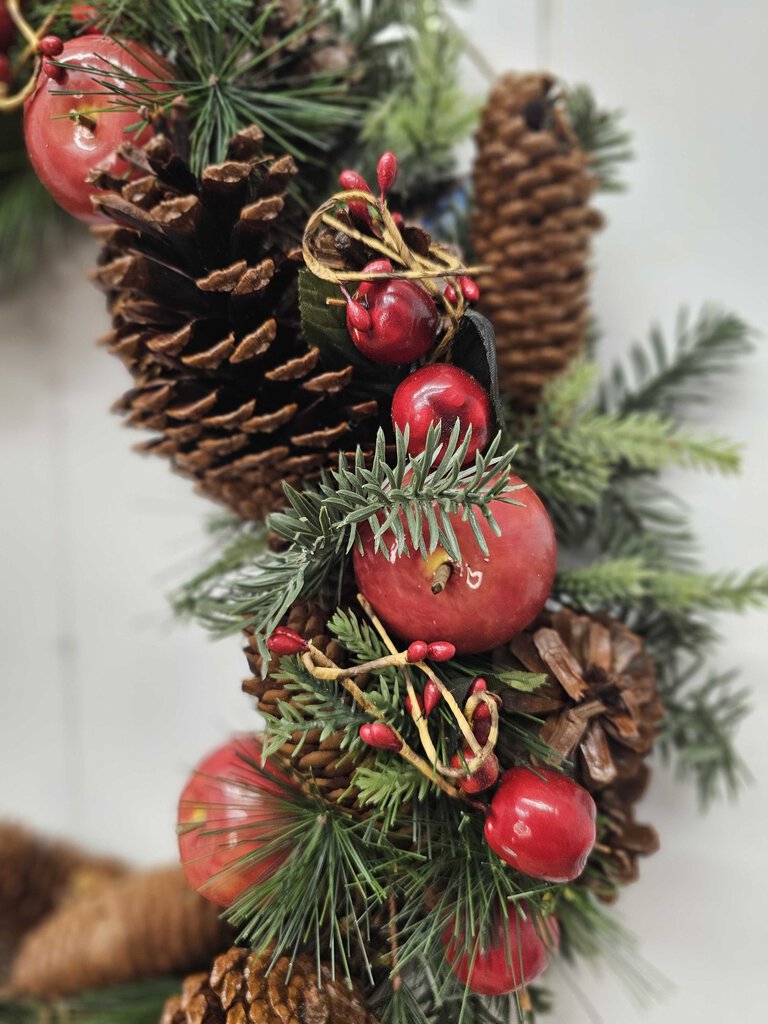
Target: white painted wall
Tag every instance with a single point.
(105, 704)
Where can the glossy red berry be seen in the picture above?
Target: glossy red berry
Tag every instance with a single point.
(451, 295)
(404, 322)
(380, 736)
(51, 46)
(417, 651)
(444, 394)
(486, 600)
(229, 809)
(483, 778)
(514, 954)
(351, 181)
(469, 289)
(542, 824)
(399, 220)
(53, 71)
(386, 172)
(441, 650)
(432, 696)
(69, 133)
(86, 15)
(286, 641)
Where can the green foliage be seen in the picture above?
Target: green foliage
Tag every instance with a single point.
(426, 112)
(573, 452)
(326, 892)
(630, 582)
(699, 725)
(669, 376)
(141, 1002)
(602, 134)
(408, 505)
(233, 69)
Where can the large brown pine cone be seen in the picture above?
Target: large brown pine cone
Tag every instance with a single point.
(533, 226)
(146, 924)
(37, 875)
(601, 709)
(201, 279)
(239, 991)
(330, 768)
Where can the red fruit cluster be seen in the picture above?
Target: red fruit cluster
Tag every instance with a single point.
(230, 809)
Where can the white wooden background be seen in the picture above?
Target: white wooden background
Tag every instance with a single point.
(105, 704)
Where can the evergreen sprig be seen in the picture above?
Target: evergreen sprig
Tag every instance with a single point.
(572, 452)
(602, 134)
(140, 1002)
(668, 376)
(407, 507)
(631, 582)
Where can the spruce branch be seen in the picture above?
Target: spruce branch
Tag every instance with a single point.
(407, 506)
(699, 726)
(666, 376)
(602, 134)
(631, 581)
(140, 1002)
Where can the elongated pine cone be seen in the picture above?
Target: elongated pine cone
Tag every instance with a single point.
(239, 991)
(146, 924)
(601, 710)
(37, 875)
(201, 278)
(533, 226)
(330, 767)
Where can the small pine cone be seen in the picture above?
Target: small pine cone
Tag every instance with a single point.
(146, 924)
(201, 277)
(330, 768)
(601, 709)
(533, 226)
(239, 991)
(37, 875)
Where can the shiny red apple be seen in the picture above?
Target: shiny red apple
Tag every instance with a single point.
(515, 954)
(68, 132)
(486, 600)
(228, 811)
(401, 325)
(442, 393)
(542, 824)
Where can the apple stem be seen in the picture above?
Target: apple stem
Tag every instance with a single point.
(441, 576)
(83, 119)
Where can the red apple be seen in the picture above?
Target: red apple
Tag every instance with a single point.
(442, 393)
(229, 809)
(514, 955)
(66, 128)
(403, 321)
(487, 598)
(542, 824)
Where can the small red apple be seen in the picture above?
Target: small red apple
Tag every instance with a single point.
(514, 955)
(68, 132)
(402, 323)
(487, 598)
(228, 810)
(442, 393)
(542, 824)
